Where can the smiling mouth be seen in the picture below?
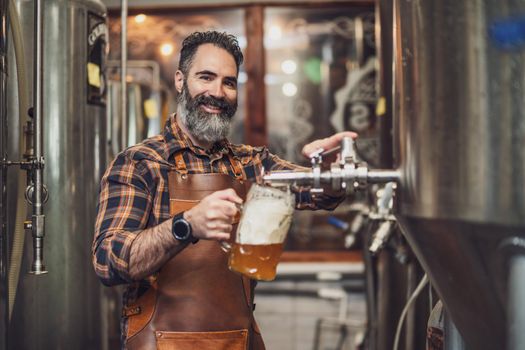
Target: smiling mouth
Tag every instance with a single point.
(211, 109)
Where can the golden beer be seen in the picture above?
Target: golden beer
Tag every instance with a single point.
(265, 221)
(256, 261)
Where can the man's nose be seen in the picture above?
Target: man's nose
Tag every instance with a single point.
(217, 90)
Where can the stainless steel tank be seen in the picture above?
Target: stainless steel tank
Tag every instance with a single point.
(460, 119)
(141, 122)
(62, 309)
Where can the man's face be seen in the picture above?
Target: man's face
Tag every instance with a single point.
(208, 98)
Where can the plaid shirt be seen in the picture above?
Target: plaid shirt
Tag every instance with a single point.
(134, 194)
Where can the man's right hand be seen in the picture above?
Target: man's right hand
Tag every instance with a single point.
(212, 218)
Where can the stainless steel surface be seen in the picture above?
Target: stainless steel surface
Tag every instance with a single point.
(38, 217)
(140, 121)
(348, 151)
(380, 176)
(460, 112)
(139, 125)
(381, 236)
(384, 34)
(4, 307)
(344, 175)
(61, 310)
(115, 4)
(141, 64)
(516, 301)
(452, 338)
(410, 322)
(460, 123)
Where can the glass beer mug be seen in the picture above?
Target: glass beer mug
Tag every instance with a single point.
(265, 220)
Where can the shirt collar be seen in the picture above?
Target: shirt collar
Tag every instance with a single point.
(177, 140)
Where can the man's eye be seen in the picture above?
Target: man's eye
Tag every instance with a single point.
(205, 77)
(231, 84)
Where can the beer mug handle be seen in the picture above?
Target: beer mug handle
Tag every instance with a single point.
(225, 245)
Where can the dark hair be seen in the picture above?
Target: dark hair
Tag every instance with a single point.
(225, 41)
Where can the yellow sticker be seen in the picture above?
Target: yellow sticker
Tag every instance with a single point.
(93, 74)
(381, 106)
(150, 108)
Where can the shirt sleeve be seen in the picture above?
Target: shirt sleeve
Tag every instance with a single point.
(122, 212)
(303, 197)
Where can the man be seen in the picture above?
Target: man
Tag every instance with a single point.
(166, 203)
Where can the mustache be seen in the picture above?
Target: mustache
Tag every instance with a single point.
(211, 101)
(227, 107)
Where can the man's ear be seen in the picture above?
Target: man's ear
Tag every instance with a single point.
(179, 81)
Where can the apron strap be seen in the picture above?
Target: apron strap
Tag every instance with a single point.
(180, 164)
(236, 167)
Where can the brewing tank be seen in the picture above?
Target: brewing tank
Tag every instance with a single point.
(62, 309)
(460, 136)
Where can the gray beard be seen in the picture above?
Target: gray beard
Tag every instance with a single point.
(203, 126)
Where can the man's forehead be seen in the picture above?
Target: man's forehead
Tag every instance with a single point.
(209, 57)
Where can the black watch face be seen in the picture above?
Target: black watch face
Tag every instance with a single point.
(181, 230)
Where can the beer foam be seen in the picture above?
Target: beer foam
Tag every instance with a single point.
(264, 221)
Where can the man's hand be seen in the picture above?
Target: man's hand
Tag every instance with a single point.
(327, 144)
(212, 218)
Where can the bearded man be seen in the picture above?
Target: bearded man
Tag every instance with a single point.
(166, 204)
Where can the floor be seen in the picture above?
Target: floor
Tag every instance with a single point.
(320, 308)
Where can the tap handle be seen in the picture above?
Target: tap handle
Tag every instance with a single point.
(316, 158)
(348, 151)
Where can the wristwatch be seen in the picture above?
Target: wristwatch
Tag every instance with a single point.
(181, 230)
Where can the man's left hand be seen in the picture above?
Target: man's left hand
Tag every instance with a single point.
(327, 144)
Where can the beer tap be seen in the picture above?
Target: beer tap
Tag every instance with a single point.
(383, 215)
(347, 174)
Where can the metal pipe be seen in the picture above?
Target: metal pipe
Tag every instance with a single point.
(326, 177)
(410, 322)
(153, 65)
(371, 279)
(4, 308)
(124, 70)
(343, 175)
(378, 176)
(516, 300)
(38, 218)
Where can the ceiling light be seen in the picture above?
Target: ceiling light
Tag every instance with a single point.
(275, 32)
(289, 66)
(166, 49)
(289, 89)
(140, 18)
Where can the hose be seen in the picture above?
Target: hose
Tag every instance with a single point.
(21, 208)
(409, 303)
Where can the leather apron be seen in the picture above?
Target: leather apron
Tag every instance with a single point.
(196, 302)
